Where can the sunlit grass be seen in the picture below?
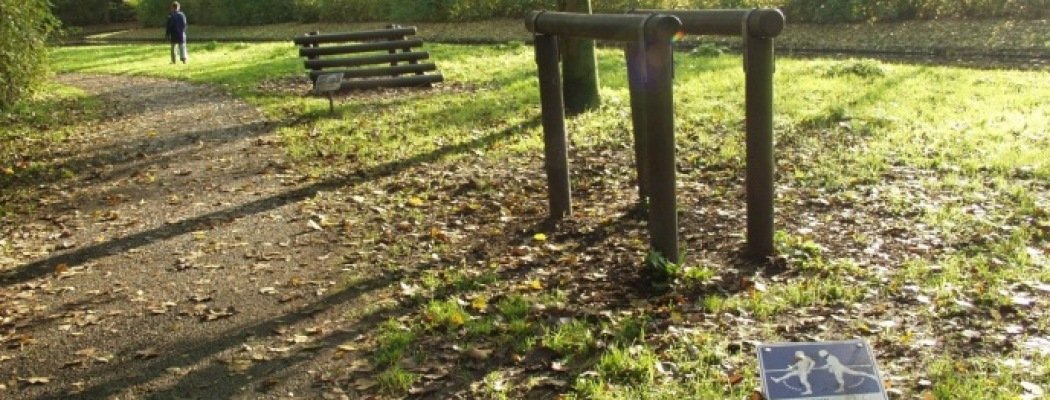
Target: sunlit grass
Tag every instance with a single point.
(844, 129)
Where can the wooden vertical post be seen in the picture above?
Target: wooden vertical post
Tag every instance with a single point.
(758, 59)
(555, 143)
(659, 124)
(635, 53)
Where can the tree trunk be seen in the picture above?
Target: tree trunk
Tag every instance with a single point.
(579, 66)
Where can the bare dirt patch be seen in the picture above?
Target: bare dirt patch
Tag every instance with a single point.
(177, 238)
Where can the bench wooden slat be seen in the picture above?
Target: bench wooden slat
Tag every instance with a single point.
(378, 71)
(399, 33)
(367, 60)
(358, 48)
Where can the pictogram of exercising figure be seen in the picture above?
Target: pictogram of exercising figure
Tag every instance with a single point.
(801, 368)
(835, 367)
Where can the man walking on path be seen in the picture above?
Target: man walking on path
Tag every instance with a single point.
(177, 32)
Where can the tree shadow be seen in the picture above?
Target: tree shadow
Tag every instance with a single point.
(79, 256)
(126, 158)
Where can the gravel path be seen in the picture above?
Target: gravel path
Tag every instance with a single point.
(180, 261)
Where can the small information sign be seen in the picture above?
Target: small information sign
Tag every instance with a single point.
(820, 371)
(328, 82)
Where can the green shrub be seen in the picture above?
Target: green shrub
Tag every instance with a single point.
(81, 12)
(93, 12)
(229, 12)
(348, 10)
(248, 12)
(24, 29)
(153, 12)
(619, 6)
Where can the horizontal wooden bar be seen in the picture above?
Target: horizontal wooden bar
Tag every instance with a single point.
(378, 71)
(618, 27)
(355, 36)
(401, 81)
(358, 47)
(761, 22)
(367, 60)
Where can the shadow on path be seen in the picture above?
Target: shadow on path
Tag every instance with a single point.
(45, 266)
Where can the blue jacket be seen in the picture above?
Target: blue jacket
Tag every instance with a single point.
(176, 27)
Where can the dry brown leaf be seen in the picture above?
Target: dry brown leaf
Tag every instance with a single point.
(36, 380)
(478, 354)
(734, 378)
(239, 365)
(364, 383)
(147, 353)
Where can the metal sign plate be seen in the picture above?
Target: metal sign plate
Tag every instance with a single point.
(820, 371)
(328, 82)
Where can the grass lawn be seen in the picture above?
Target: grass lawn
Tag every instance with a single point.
(944, 37)
(912, 208)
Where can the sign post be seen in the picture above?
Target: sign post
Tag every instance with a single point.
(327, 84)
(820, 370)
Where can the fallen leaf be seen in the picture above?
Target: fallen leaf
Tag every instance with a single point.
(408, 290)
(480, 303)
(364, 384)
(1023, 299)
(535, 284)
(439, 235)
(478, 353)
(1032, 388)
(559, 366)
(147, 353)
(239, 365)
(212, 314)
(734, 378)
(36, 380)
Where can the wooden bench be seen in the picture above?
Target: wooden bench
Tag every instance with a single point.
(352, 54)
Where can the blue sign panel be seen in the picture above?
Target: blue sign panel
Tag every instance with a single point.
(820, 370)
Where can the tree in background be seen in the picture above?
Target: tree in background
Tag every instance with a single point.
(579, 66)
(24, 28)
(93, 12)
(254, 12)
